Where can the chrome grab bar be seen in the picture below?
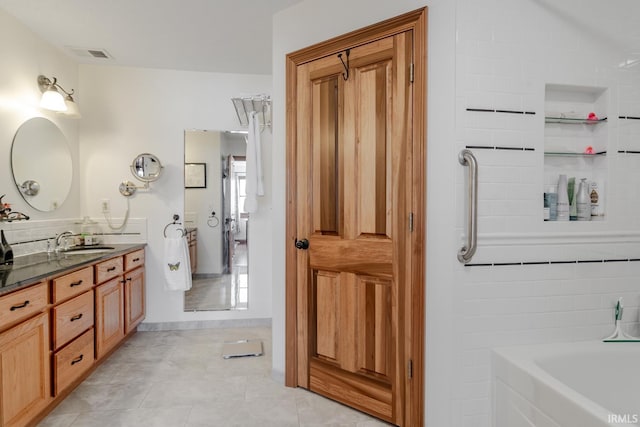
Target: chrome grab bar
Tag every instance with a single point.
(466, 158)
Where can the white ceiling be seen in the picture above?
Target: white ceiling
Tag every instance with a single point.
(227, 36)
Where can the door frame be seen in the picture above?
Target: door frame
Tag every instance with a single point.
(414, 348)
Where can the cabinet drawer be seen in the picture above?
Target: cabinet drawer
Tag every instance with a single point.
(133, 260)
(72, 361)
(22, 304)
(108, 269)
(72, 318)
(72, 284)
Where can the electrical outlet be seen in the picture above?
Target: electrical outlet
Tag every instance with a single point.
(105, 205)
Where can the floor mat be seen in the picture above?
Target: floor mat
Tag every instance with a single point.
(242, 348)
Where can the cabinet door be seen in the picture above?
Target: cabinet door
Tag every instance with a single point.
(134, 299)
(109, 316)
(193, 251)
(24, 371)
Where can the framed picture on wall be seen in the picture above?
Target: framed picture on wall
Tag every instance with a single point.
(195, 175)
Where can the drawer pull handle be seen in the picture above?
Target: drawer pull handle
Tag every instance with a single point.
(78, 360)
(128, 279)
(136, 259)
(17, 307)
(76, 317)
(78, 283)
(111, 268)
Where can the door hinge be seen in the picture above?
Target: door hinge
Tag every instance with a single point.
(410, 369)
(411, 222)
(411, 73)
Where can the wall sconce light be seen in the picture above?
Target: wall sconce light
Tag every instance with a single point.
(53, 100)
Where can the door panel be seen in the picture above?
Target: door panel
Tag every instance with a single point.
(373, 90)
(326, 218)
(354, 166)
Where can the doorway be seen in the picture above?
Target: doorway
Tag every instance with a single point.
(355, 218)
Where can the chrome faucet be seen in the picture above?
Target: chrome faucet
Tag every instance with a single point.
(60, 237)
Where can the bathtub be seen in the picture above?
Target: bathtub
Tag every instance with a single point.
(582, 384)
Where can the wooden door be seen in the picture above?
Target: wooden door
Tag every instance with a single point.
(355, 188)
(109, 316)
(134, 299)
(24, 371)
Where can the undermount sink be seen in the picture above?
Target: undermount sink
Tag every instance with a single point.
(83, 250)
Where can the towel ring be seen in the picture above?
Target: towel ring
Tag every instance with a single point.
(176, 217)
(211, 218)
(180, 229)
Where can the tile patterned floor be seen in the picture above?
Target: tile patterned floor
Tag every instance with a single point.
(179, 379)
(224, 291)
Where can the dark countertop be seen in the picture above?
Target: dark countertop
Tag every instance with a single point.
(29, 269)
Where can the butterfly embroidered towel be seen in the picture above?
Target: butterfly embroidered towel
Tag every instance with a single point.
(176, 264)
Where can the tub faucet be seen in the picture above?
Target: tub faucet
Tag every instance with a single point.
(618, 334)
(60, 237)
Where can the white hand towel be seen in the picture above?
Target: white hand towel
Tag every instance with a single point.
(176, 263)
(254, 179)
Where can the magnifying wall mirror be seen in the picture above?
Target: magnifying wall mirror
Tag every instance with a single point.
(146, 167)
(41, 164)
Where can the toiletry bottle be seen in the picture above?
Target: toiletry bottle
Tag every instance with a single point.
(546, 209)
(7, 252)
(594, 195)
(583, 201)
(571, 190)
(552, 201)
(563, 199)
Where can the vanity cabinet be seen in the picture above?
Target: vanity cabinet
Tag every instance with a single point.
(53, 332)
(24, 371)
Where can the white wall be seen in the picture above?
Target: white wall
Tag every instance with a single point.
(500, 55)
(132, 110)
(24, 57)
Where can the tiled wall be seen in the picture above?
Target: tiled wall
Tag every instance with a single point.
(507, 51)
(28, 237)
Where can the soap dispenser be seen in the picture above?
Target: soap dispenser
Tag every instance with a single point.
(563, 199)
(6, 252)
(583, 201)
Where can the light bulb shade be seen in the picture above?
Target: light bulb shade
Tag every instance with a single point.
(53, 100)
(72, 108)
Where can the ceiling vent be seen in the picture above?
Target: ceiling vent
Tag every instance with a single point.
(90, 52)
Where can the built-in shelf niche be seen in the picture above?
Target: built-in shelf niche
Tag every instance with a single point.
(576, 144)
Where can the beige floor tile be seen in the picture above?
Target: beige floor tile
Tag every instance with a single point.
(95, 397)
(199, 392)
(156, 417)
(179, 378)
(263, 413)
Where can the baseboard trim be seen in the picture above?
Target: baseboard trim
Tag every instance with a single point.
(205, 324)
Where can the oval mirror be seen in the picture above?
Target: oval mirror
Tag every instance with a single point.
(146, 167)
(41, 164)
